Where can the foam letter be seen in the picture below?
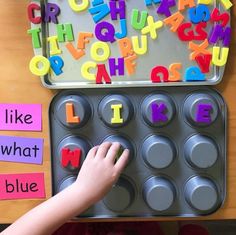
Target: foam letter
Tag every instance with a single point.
(125, 46)
(136, 45)
(218, 33)
(123, 26)
(176, 76)
(193, 73)
(117, 114)
(102, 73)
(174, 20)
(99, 12)
(203, 114)
(65, 32)
(54, 48)
(204, 62)
(71, 157)
(85, 70)
(158, 112)
(220, 52)
(82, 39)
(206, 2)
(183, 3)
(134, 19)
(150, 2)
(198, 49)
(227, 4)
(78, 7)
(77, 54)
(216, 16)
(115, 10)
(100, 46)
(199, 14)
(70, 114)
(39, 70)
(120, 66)
(164, 7)
(32, 7)
(157, 72)
(56, 64)
(130, 64)
(108, 35)
(35, 34)
(52, 12)
(152, 27)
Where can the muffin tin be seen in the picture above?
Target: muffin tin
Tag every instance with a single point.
(177, 139)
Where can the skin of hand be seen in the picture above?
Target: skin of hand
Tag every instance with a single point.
(97, 175)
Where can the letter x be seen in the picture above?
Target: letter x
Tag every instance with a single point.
(198, 49)
(152, 27)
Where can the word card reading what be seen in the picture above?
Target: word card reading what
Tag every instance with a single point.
(21, 117)
(23, 150)
(22, 186)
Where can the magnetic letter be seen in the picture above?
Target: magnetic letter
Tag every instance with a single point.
(117, 10)
(70, 114)
(100, 46)
(120, 66)
(108, 35)
(216, 16)
(203, 114)
(52, 12)
(193, 73)
(183, 3)
(204, 62)
(138, 24)
(57, 64)
(99, 12)
(158, 112)
(32, 7)
(136, 45)
(35, 34)
(164, 7)
(39, 70)
(218, 33)
(174, 21)
(220, 56)
(176, 76)
(117, 114)
(65, 32)
(199, 14)
(78, 7)
(71, 157)
(157, 72)
(54, 48)
(102, 73)
(198, 49)
(85, 70)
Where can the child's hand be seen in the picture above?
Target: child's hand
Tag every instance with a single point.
(100, 170)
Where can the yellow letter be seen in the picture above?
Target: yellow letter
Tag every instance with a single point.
(34, 65)
(100, 46)
(137, 49)
(85, 70)
(78, 7)
(117, 114)
(206, 2)
(216, 54)
(227, 4)
(54, 49)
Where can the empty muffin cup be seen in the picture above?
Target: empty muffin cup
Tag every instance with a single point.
(158, 110)
(73, 111)
(201, 194)
(66, 183)
(121, 195)
(159, 193)
(115, 110)
(72, 152)
(201, 151)
(201, 109)
(158, 151)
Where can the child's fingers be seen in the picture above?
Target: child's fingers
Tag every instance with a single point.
(103, 149)
(122, 161)
(92, 152)
(113, 151)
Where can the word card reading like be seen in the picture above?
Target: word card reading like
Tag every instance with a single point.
(22, 186)
(23, 150)
(21, 117)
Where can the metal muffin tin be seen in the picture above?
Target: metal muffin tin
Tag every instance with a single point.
(163, 51)
(177, 168)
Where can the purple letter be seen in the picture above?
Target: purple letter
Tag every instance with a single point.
(203, 113)
(158, 112)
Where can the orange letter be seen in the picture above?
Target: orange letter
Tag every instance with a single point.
(175, 21)
(70, 118)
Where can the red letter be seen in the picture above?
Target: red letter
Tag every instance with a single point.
(72, 157)
(157, 78)
(102, 73)
(204, 62)
(31, 8)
